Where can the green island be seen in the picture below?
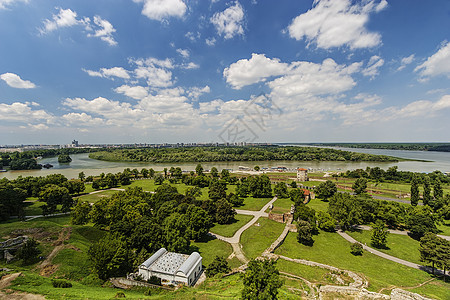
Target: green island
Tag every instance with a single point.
(440, 147)
(244, 153)
(82, 233)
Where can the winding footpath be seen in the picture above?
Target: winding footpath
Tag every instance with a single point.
(400, 232)
(234, 240)
(389, 257)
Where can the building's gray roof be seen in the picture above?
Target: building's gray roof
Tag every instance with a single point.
(188, 266)
(154, 257)
(171, 263)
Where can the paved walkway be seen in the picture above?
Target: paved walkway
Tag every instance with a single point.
(234, 240)
(389, 257)
(400, 232)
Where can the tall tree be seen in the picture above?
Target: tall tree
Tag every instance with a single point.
(281, 190)
(80, 212)
(428, 248)
(379, 234)
(199, 170)
(217, 190)
(110, 257)
(326, 190)
(426, 190)
(437, 189)
(218, 265)
(345, 209)
(414, 190)
(261, 280)
(214, 172)
(224, 212)
(360, 186)
(81, 176)
(304, 233)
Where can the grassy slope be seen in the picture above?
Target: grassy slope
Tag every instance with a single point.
(228, 230)
(400, 246)
(256, 239)
(330, 248)
(92, 198)
(282, 205)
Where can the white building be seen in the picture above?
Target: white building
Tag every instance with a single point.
(172, 268)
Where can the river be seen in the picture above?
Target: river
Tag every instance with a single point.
(82, 163)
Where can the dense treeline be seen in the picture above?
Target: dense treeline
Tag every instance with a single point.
(250, 153)
(139, 223)
(442, 147)
(393, 175)
(53, 189)
(27, 160)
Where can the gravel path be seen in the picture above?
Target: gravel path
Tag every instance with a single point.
(234, 240)
(401, 232)
(387, 256)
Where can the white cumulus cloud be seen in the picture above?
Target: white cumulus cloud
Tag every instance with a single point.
(14, 80)
(229, 22)
(135, 92)
(162, 9)
(437, 64)
(335, 23)
(256, 69)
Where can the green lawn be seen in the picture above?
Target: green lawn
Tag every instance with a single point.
(281, 206)
(313, 274)
(445, 228)
(255, 204)
(330, 248)
(92, 198)
(256, 239)
(211, 248)
(401, 246)
(33, 208)
(318, 205)
(228, 230)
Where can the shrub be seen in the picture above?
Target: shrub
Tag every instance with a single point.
(120, 295)
(356, 249)
(154, 280)
(59, 283)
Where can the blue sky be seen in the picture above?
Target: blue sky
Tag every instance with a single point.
(158, 71)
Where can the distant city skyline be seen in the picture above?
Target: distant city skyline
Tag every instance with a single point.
(168, 71)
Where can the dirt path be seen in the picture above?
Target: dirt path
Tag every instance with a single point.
(46, 268)
(6, 281)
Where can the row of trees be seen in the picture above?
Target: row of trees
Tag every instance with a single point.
(248, 153)
(53, 189)
(392, 174)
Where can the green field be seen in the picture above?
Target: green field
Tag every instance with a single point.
(255, 204)
(313, 274)
(256, 239)
(401, 246)
(281, 206)
(332, 249)
(211, 248)
(92, 198)
(228, 230)
(318, 205)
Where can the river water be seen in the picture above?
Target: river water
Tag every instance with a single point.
(82, 163)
